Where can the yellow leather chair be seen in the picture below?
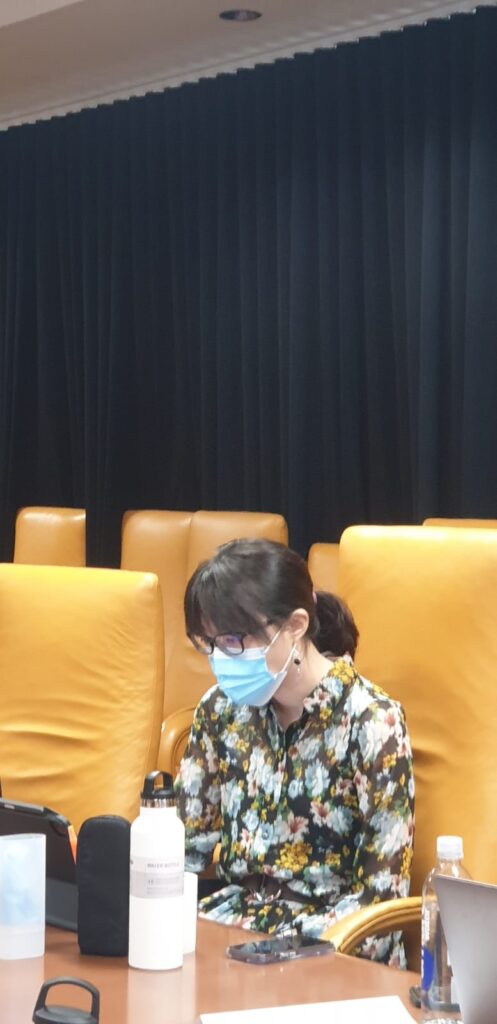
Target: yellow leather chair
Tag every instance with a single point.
(50, 536)
(425, 601)
(172, 544)
(322, 561)
(481, 524)
(81, 687)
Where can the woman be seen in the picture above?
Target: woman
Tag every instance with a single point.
(298, 766)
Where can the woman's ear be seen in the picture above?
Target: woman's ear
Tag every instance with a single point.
(298, 624)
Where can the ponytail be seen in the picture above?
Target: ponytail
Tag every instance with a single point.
(337, 632)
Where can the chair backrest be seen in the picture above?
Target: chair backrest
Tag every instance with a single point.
(50, 536)
(481, 524)
(323, 566)
(172, 544)
(425, 601)
(81, 687)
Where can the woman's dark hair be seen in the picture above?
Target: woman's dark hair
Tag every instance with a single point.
(249, 583)
(338, 633)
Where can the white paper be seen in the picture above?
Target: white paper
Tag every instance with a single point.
(380, 1010)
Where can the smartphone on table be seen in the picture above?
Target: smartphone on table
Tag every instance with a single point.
(277, 950)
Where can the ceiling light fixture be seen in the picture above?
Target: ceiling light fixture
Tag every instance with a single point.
(240, 14)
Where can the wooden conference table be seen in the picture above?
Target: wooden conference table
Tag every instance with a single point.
(207, 982)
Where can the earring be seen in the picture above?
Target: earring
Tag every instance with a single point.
(297, 661)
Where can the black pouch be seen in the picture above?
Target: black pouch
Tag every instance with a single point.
(102, 870)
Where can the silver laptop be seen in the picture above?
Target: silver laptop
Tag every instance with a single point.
(469, 917)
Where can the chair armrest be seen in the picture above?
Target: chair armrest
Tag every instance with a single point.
(174, 737)
(347, 933)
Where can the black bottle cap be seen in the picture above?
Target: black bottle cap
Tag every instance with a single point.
(160, 794)
(44, 1014)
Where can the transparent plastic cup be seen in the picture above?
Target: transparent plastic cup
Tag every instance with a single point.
(190, 899)
(22, 896)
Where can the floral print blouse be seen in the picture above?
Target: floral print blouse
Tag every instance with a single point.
(325, 806)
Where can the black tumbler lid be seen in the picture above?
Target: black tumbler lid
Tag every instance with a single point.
(44, 1014)
(159, 794)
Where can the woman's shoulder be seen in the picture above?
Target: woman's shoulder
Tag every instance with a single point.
(212, 703)
(362, 695)
(219, 711)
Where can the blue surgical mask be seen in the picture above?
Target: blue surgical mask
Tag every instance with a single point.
(245, 678)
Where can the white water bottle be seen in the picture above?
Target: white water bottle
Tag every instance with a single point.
(157, 864)
(438, 994)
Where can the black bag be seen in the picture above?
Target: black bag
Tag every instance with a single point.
(102, 869)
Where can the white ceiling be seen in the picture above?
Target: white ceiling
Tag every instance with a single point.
(61, 55)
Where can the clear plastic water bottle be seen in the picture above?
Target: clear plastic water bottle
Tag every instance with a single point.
(438, 995)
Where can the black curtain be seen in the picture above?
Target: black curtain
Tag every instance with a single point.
(274, 290)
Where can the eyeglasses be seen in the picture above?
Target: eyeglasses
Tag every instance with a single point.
(228, 643)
